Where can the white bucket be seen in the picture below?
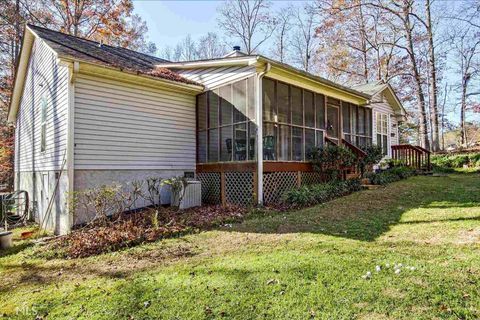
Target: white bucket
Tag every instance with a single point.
(6, 239)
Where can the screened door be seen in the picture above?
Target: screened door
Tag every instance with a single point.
(333, 122)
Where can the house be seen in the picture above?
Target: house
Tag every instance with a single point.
(88, 114)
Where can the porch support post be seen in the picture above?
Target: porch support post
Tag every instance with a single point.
(259, 122)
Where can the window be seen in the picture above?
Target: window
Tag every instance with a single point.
(43, 125)
(225, 132)
(357, 124)
(382, 131)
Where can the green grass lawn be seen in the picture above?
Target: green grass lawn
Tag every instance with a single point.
(305, 264)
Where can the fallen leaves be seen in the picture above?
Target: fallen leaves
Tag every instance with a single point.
(129, 230)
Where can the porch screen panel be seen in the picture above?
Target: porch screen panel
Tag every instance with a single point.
(202, 112)
(269, 141)
(320, 111)
(225, 131)
(239, 101)
(283, 103)
(297, 106)
(309, 109)
(240, 142)
(213, 145)
(268, 100)
(297, 144)
(226, 107)
(226, 143)
(310, 145)
(284, 143)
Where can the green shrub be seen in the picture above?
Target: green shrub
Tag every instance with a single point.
(391, 175)
(320, 193)
(374, 155)
(456, 160)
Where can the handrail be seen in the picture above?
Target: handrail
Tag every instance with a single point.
(412, 156)
(356, 150)
(328, 140)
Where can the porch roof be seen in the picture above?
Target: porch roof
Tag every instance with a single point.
(278, 70)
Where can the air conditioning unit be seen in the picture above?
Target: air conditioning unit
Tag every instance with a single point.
(191, 198)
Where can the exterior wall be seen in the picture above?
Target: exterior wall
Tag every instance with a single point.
(125, 133)
(87, 179)
(380, 104)
(213, 78)
(57, 218)
(46, 81)
(122, 126)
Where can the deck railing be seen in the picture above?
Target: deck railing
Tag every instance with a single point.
(412, 156)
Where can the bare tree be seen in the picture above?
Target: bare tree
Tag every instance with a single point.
(303, 41)
(432, 69)
(210, 46)
(281, 34)
(249, 21)
(466, 44)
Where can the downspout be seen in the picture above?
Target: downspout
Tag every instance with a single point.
(71, 141)
(259, 117)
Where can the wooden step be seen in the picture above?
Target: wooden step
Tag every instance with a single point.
(350, 176)
(371, 186)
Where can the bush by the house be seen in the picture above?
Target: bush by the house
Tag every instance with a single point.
(320, 193)
(330, 159)
(390, 175)
(374, 155)
(471, 160)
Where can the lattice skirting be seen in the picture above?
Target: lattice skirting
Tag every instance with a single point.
(210, 187)
(276, 183)
(239, 188)
(309, 178)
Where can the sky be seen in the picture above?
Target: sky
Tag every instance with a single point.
(169, 22)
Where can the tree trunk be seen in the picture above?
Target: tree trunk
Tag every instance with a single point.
(433, 81)
(423, 130)
(463, 129)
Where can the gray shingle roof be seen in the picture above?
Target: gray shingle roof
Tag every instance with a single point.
(370, 88)
(91, 51)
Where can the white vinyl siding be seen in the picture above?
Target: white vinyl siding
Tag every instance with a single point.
(46, 84)
(123, 126)
(381, 105)
(213, 78)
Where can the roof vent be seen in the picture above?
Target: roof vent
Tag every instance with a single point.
(236, 48)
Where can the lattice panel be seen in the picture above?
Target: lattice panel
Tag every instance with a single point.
(312, 177)
(210, 187)
(239, 188)
(276, 183)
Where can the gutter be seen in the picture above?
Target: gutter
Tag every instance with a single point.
(259, 117)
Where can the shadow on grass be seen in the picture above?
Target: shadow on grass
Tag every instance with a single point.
(366, 215)
(15, 249)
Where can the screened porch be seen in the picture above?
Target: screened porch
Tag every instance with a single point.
(294, 122)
